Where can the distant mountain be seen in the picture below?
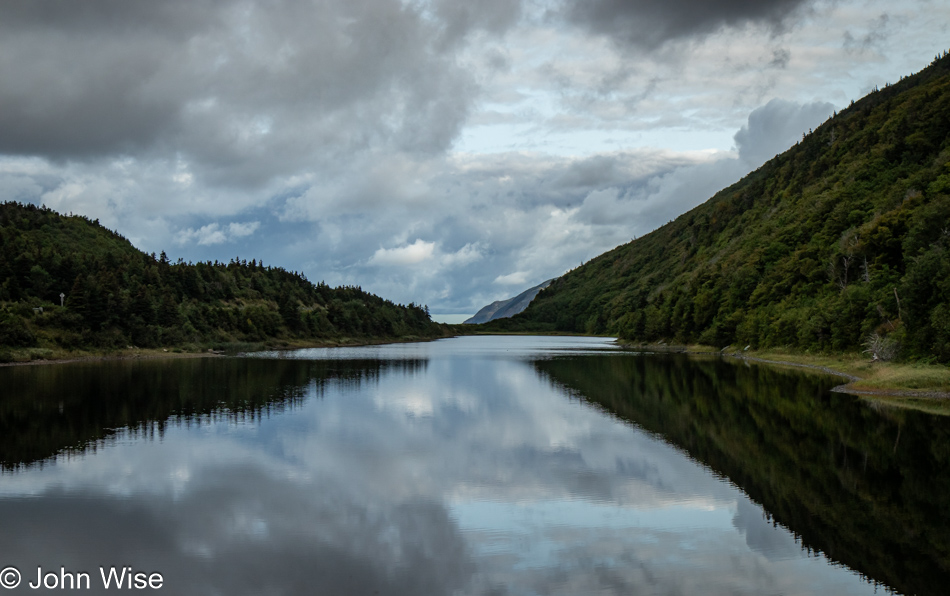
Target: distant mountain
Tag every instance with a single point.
(502, 309)
(67, 282)
(840, 242)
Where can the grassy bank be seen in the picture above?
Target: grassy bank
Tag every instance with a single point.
(863, 375)
(871, 376)
(900, 381)
(22, 356)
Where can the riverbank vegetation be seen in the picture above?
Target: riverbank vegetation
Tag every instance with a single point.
(871, 376)
(839, 245)
(862, 373)
(70, 286)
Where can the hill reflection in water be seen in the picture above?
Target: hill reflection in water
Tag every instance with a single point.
(468, 466)
(867, 485)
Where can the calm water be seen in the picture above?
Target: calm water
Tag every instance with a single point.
(479, 465)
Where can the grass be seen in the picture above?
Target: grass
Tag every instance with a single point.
(51, 355)
(872, 376)
(891, 383)
(912, 376)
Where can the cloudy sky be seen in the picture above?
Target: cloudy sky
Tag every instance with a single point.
(443, 152)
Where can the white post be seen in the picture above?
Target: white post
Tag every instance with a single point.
(61, 298)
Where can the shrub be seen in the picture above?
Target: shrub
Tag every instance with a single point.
(881, 348)
(14, 332)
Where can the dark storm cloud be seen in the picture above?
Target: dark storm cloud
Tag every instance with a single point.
(175, 17)
(651, 23)
(79, 77)
(244, 91)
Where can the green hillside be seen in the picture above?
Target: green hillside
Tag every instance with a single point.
(841, 239)
(118, 296)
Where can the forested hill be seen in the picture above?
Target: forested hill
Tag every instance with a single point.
(841, 239)
(118, 296)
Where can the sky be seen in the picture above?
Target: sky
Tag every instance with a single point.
(442, 152)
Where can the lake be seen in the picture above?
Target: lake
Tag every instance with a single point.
(473, 465)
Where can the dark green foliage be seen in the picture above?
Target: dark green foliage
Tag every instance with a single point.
(55, 409)
(118, 296)
(865, 485)
(14, 332)
(844, 235)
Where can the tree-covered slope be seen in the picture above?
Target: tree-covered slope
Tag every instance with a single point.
(117, 295)
(842, 237)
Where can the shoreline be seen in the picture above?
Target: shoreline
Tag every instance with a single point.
(169, 353)
(109, 357)
(858, 385)
(865, 385)
(847, 387)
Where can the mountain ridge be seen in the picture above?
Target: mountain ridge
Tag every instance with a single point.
(502, 309)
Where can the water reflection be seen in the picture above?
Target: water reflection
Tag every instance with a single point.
(469, 466)
(50, 409)
(866, 485)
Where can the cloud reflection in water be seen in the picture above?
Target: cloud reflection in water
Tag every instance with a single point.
(471, 473)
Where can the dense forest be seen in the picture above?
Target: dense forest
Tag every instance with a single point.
(117, 296)
(839, 244)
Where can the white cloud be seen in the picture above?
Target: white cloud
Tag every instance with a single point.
(204, 236)
(464, 256)
(240, 230)
(411, 254)
(518, 278)
(214, 233)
